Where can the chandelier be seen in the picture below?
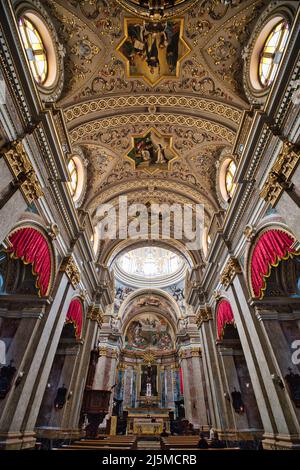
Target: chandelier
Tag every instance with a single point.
(156, 10)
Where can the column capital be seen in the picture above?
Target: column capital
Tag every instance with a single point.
(232, 268)
(22, 169)
(194, 351)
(109, 352)
(280, 173)
(204, 314)
(95, 314)
(69, 267)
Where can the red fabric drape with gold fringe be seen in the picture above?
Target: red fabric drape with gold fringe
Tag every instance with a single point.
(31, 247)
(273, 246)
(75, 316)
(224, 317)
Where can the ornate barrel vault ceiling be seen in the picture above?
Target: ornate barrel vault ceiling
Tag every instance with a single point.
(188, 90)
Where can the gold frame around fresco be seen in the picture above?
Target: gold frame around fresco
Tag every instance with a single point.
(161, 136)
(163, 77)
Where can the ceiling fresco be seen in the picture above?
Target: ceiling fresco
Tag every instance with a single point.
(153, 50)
(153, 101)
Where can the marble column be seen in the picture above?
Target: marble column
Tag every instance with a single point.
(80, 370)
(194, 398)
(246, 424)
(218, 405)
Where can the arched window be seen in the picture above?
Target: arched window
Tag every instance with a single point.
(35, 49)
(271, 53)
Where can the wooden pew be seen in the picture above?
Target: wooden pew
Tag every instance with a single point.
(109, 442)
(76, 447)
(197, 449)
(179, 441)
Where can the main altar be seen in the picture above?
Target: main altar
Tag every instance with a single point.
(147, 421)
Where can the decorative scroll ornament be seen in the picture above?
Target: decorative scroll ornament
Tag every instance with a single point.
(71, 270)
(95, 314)
(231, 269)
(203, 315)
(22, 169)
(281, 173)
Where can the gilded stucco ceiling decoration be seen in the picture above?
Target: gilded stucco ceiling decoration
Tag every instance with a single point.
(101, 162)
(93, 130)
(157, 9)
(91, 109)
(223, 52)
(196, 101)
(153, 51)
(205, 163)
(86, 25)
(158, 190)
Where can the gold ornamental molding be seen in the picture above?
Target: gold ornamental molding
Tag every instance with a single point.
(281, 173)
(231, 269)
(95, 314)
(161, 185)
(126, 102)
(88, 130)
(71, 270)
(22, 169)
(204, 314)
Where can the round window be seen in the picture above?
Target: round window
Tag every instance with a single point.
(35, 49)
(271, 53)
(229, 178)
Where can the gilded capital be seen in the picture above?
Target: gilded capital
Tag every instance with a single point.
(95, 314)
(69, 267)
(22, 169)
(231, 269)
(280, 173)
(203, 315)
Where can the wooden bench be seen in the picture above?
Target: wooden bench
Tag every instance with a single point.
(179, 441)
(76, 447)
(197, 448)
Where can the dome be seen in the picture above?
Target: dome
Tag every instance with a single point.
(155, 265)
